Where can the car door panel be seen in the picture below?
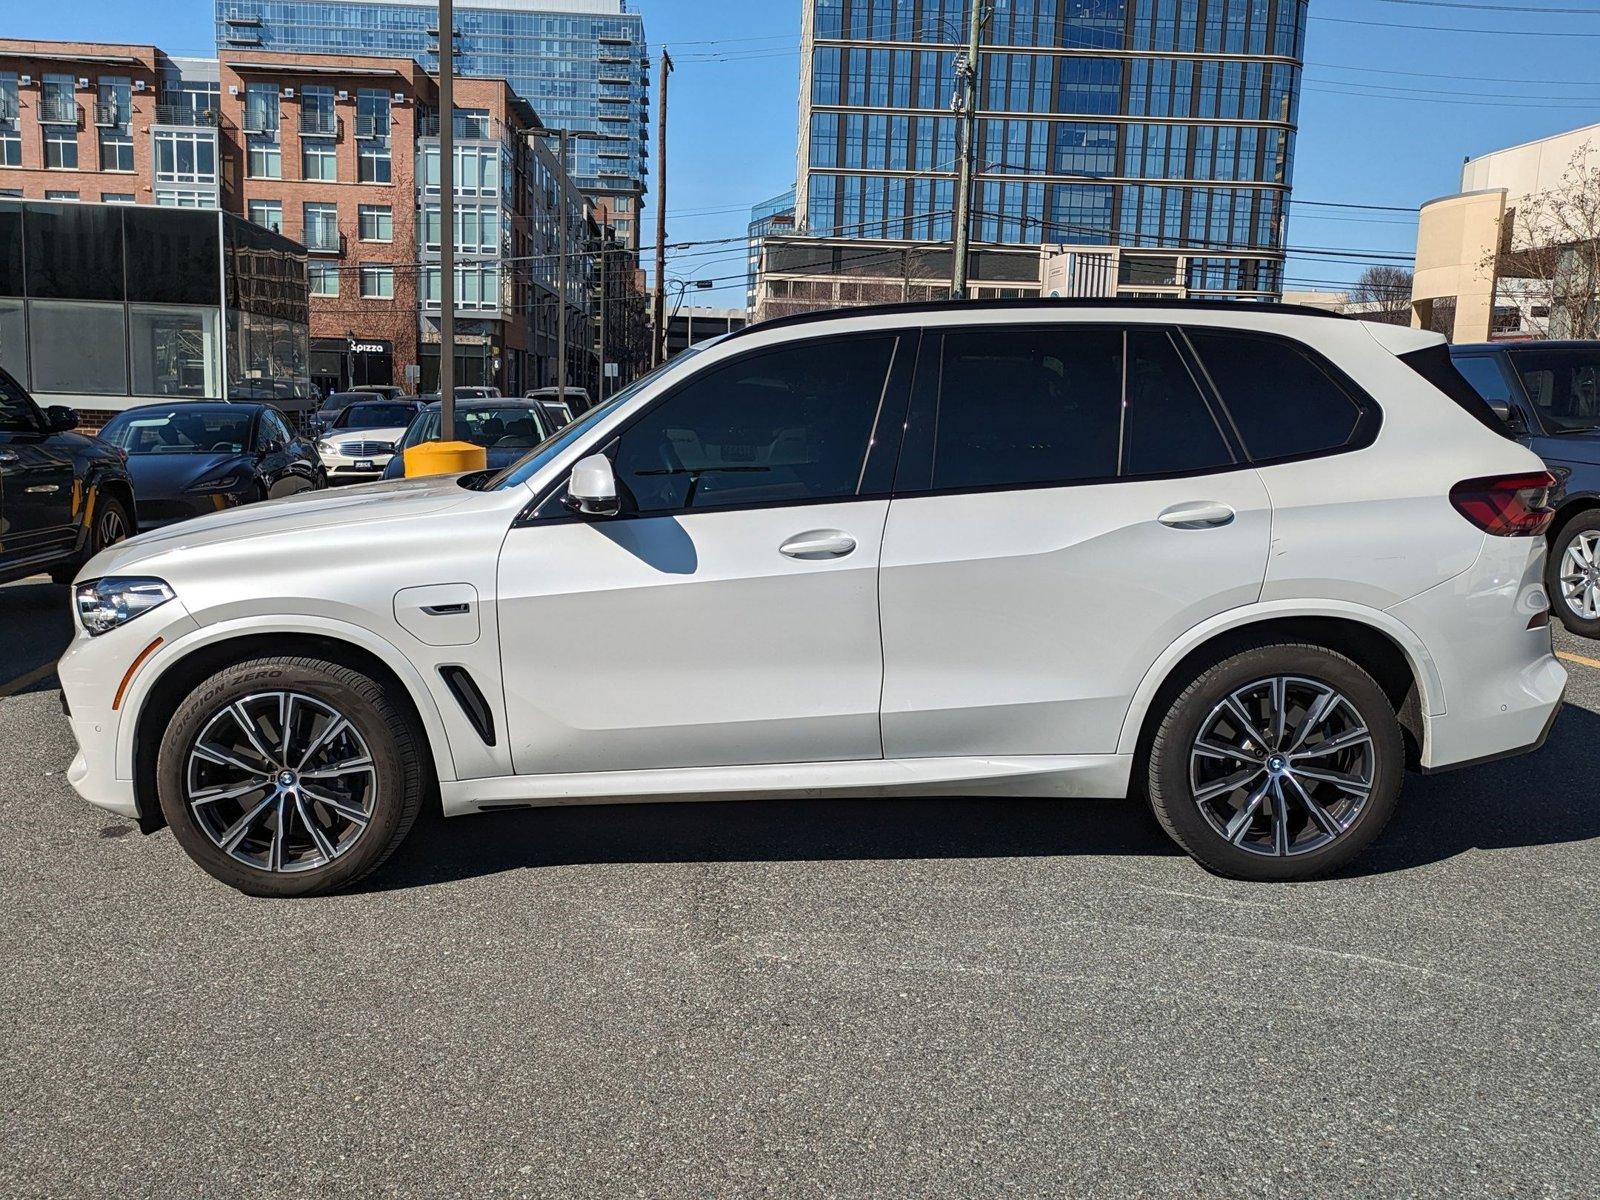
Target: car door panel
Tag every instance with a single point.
(692, 640)
(38, 508)
(1022, 622)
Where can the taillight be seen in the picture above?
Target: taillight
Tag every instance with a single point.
(1507, 505)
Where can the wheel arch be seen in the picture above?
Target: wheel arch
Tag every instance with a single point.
(1571, 506)
(121, 488)
(196, 657)
(1377, 643)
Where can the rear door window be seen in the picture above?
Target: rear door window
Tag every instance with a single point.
(1167, 426)
(1563, 383)
(1282, 401)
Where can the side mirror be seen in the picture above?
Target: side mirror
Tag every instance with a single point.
(592, 489)
(1509, 417)
(60, 419)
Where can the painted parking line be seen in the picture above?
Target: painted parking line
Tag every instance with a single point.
(1579, 659)
(23, 682)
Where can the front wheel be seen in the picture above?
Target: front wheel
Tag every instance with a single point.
(109, 523)
(290, 776)
(1280, 763)
(1572, 574)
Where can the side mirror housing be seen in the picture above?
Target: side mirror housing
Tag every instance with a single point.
(1509, 417)
(592, 488)
(60, 418)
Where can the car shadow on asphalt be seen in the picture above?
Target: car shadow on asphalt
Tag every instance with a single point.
(35, 630)
(1542, 799)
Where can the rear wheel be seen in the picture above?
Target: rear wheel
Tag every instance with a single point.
(1572, 574)
(290, 776)
(1280, 763)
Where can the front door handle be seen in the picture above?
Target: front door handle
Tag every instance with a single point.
(817, 544)
(1204, 515)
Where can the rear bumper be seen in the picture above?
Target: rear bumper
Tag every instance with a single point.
(1518, 752)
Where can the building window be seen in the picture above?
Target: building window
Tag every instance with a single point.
(321, 228)
(372, 113)
(318, 162)
(316, 112)
(377, 283)
(116, 198)
(261, 108)
(79, 347)
(10, 146)
(377, 223)
(177, 197)
(57, 102)
(68, 197)
(114, 103)
(264, 159)
(186, 156)
(373, 160)
(61, 147)
(324, 279)
(116, 150)
(266, 213)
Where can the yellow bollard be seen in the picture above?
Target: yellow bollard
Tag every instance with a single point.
(444, 458)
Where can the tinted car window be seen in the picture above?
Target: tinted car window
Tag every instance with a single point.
(1028, 406)
(180, 430)
(1564, 385)
(1484, 374)
(791, 424)
(1283, 403)
(16, 410)
(1167, 427)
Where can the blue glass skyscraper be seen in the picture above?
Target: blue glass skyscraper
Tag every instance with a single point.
(582, 64)
(1134, 123)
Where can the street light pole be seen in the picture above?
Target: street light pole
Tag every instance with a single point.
(563, 139)
(658, 334)
(447, 222)
(966, 103)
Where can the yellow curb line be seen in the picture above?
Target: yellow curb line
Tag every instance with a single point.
(23, 682)
(1578, 658)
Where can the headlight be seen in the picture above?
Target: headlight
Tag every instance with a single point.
(383, 447)
(225, 484)
(106, 604)
(327, 448)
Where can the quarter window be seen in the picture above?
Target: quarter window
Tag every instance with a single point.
(1023, 407)
(1282, 402)
(785, 426)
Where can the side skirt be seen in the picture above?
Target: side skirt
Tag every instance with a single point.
(1075, 776)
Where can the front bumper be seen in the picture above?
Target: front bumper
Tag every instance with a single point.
(158, 514)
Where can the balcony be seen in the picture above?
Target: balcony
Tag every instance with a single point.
(260, 121)
(314, 123)
(187, 116)
(372, 127)
(109, 113)
(324, 239)
(59, 110)
(464, 128)
(242, 22)
(8, 106)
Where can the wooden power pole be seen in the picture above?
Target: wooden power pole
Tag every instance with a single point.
(658, 332)
(967, 74)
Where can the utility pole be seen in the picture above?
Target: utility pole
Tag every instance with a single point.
(605, 292)
(447, 221)
(564, 219)
(658, 334)
(966, 106)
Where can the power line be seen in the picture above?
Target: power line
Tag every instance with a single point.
(1507, 8)
(1563, 33)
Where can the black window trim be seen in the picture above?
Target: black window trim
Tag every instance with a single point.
(1369, 419)
(917, 462)
(882, 457)
(31, 405)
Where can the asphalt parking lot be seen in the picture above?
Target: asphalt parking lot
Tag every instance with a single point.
(833, 998)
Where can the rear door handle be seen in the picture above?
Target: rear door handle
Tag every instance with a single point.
(1203, 515)
(817, 544)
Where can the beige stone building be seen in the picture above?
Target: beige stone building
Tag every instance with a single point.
(1461, 287)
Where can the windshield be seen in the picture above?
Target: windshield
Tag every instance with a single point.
(180, 431)
(512, 427)
(342, 400)
(1564, 385)
(524, 469)
(375, 416)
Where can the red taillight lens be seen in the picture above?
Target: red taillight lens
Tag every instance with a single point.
(1507, 505)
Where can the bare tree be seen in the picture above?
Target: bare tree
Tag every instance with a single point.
(1384, 294)
(1549, 262)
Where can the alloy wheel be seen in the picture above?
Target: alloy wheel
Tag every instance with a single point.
(1283, 766)
(281, 782)
(110, 528)
(1580, 575)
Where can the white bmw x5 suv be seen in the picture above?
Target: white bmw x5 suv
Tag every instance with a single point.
(1250, 564)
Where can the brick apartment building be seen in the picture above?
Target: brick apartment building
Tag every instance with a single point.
(339, 153)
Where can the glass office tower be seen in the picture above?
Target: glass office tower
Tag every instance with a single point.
(1131, 123)
(582, 64)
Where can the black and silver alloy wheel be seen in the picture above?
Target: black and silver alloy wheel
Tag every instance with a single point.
(1282, 766)
(1280, 762)
(110, 526)
(292, 775)
(281, 781)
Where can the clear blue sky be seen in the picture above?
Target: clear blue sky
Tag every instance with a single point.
(1393, 132)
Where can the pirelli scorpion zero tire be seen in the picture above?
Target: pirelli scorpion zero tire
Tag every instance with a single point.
(291, 776)
(1279, 763)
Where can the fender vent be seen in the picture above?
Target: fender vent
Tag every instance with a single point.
(465, 689)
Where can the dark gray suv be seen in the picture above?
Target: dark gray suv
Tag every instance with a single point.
(1548, 395)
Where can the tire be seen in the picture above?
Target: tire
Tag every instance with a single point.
(110, 524)
(304, 838)
(1200, 790)
(1582, 576)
